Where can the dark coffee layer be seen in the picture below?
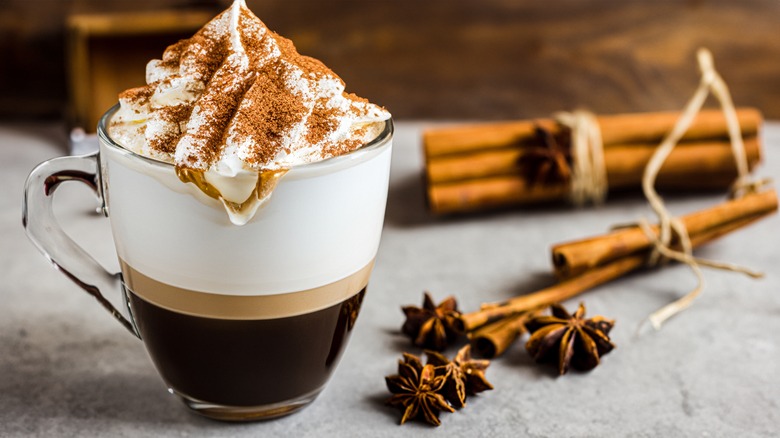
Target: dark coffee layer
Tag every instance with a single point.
(245, 362)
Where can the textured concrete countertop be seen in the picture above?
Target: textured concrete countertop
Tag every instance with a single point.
(68, 369)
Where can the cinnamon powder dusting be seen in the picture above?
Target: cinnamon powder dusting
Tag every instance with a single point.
(271, 114)
(166, 142)
(136, 94)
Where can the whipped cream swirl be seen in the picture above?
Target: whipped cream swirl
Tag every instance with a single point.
(237, 98)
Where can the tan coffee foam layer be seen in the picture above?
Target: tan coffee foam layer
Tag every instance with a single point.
(210, 305)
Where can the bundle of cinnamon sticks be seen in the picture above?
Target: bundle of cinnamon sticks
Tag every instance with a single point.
(478, 167)
(583, 264)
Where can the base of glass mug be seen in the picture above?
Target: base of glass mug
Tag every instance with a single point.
(247, 413)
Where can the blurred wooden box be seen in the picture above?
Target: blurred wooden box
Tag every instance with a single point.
(107, 53)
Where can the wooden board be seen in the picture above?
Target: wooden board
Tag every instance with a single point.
(471, 59)
(498, 59)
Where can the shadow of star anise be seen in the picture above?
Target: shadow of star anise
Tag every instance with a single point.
(549, 161)
(569, 339)
(416, 390)
(431, 326)
(466, 376)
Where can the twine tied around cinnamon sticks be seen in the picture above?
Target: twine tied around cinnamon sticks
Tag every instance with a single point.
(589, 173)
(671, 226)
(495, 165)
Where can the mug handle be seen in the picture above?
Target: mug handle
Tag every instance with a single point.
(47, 235)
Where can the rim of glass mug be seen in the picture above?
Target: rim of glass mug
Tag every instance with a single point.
(299, 170)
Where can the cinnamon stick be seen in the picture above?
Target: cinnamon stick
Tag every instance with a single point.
(493, 339)
(624, 162)
(615, 129)
(488, 193)
(687, 162)
(553, 294)
(705, 226)
(574, 258)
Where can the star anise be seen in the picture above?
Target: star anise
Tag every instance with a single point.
(466, 376)
(569, 339)
(549, 162)
(416, 390)
(432, 326)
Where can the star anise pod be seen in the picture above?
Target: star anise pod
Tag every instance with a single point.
(549, 162)
(466, 376)
(569, 339)
(416, 390)
(432, 326)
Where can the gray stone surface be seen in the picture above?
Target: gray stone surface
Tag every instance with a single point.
(67, 369)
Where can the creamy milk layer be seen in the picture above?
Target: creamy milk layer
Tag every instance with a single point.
(235, 106)
(321, 228)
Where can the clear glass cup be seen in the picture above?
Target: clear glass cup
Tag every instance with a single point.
(242, 322)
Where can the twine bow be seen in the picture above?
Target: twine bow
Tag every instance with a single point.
(670, 226)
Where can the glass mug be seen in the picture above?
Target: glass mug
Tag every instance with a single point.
(242, 322)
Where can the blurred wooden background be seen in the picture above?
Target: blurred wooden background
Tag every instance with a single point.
(462, 59)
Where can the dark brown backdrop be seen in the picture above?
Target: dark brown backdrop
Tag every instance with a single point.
(496, 59)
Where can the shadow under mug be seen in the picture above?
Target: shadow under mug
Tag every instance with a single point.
(242, 322)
